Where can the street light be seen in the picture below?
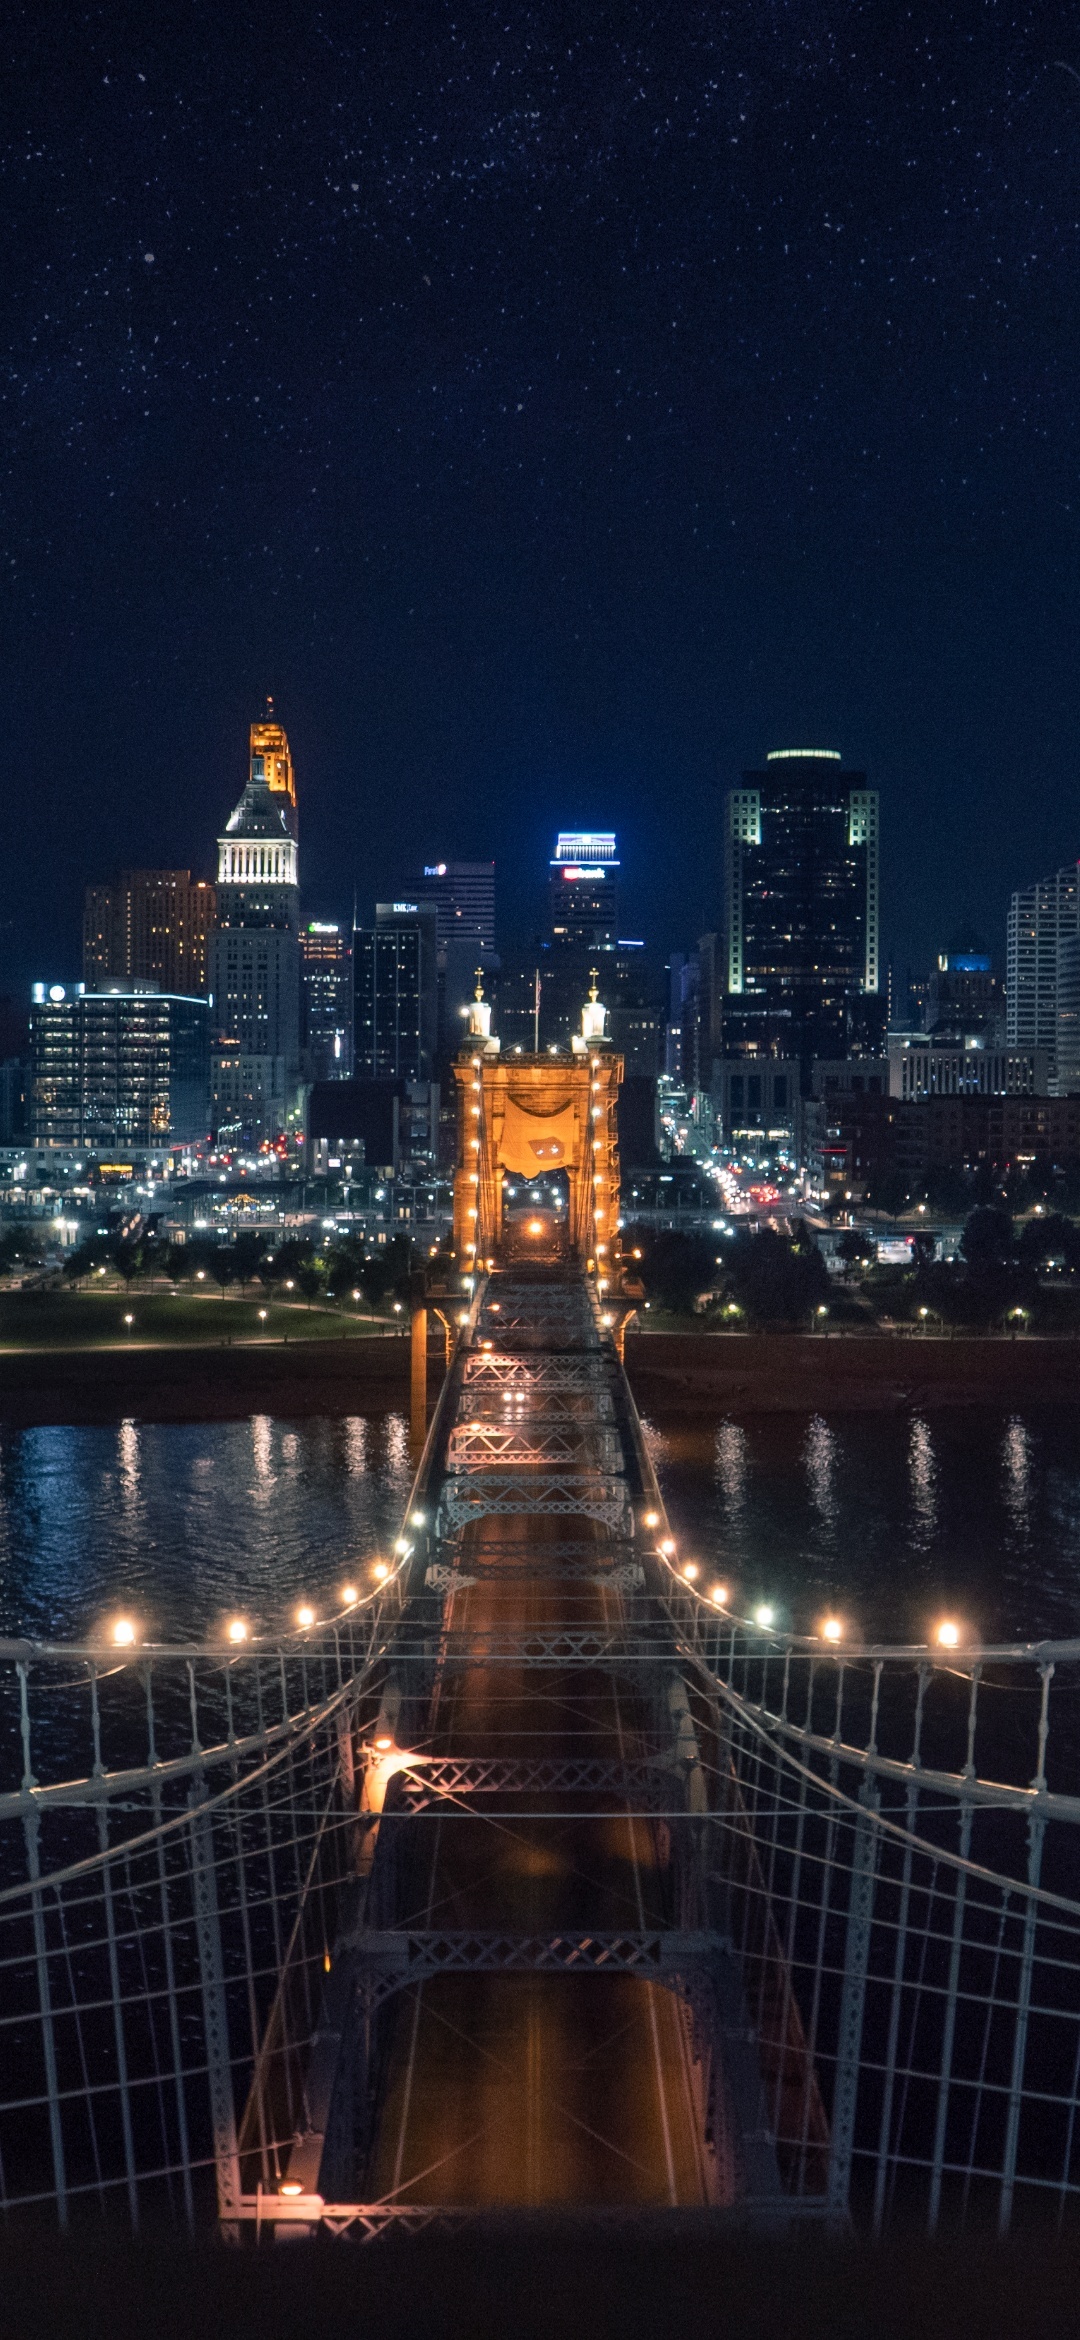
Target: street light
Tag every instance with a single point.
(832, 1629)
(765, 1614)
(123, 1632)
(237, 1629)
(947, 1633)
(305, 1614)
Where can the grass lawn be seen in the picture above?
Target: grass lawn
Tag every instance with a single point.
(62, 1319)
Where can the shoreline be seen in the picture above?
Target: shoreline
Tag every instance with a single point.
(693, 1375)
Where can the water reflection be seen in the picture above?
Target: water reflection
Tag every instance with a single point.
(893, 1517)
(1016, 1456)
(922, 1466)
(821, 1455)
(189, 1522)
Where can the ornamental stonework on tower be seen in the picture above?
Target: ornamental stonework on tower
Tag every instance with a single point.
(255, 953)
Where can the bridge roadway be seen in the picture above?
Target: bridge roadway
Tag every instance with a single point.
(535, 2089)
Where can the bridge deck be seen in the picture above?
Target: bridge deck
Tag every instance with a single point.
(539, 2088)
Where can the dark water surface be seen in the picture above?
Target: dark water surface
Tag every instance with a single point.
(894, 1519)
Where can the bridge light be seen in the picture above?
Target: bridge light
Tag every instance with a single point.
(349, 1595)
(305, 1614)
(651, 1519)
(765, 1614)
(237, 1630)
(123, 1632)
(464, 1317)
(418, 1519)
(947, 1633)
(832, 1629)
(289, 2188)
(691, 1570)
(719, 1594)
(668, 1546)
(380, 1571)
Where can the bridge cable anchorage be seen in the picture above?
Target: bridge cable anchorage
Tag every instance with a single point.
(536, 1787)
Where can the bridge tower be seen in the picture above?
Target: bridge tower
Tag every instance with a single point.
(526, 1115)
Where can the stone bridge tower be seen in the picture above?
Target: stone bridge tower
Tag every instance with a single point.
(530, 1115)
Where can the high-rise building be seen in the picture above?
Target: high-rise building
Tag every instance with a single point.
(325, 1001)
(1044, 919)
(152, 926)
(463, 893)
(395, 1015)
(802, 940)
(965, 999)
(255, 953)
(584, 890)
(124, 1066)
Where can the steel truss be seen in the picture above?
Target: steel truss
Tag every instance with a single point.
(535, 1370)
(544, 1406)
(568, 1495)
(561, 1645)
(390, 1961)
(426, 1786)
(528, 1442)
(621, 1575)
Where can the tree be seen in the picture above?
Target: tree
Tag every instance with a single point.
(856, 1248)
(1050, 1237)
(248, 1251)
(775, 1278)
(677, 1268)
(987, 1241)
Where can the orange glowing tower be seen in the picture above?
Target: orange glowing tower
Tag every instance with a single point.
(272, 762)
(528, 1115)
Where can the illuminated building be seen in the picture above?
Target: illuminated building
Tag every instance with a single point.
(965, 1000)
(1044, 921)
(802, 941)
(123, 1066)
(395, 966)
(325, 1001)
(152, 926)
(255, 953)
(584, 890)
(463, 894)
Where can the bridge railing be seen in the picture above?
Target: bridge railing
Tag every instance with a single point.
(897, 1838)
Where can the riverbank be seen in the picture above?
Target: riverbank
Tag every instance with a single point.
(674, 1375)
(292, 1379)
(706, 1375)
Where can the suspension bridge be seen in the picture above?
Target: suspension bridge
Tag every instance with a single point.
(533, 1875)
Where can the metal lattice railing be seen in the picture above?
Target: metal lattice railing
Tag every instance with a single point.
(881, 1844)
(897, 1849)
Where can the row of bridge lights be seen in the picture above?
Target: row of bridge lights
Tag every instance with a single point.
(947, 1633)
(124, 1631)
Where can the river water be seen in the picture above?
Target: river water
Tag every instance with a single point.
(892, 1519)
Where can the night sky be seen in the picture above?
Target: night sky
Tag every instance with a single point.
(554, 408)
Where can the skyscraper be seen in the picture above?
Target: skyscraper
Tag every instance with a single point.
(325, 1001)
(152, 926)
(255, 953)
(127, 1065)
(395, 967)
(463, 893)
(584, 890)
(1044, 919)
(802, 945)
